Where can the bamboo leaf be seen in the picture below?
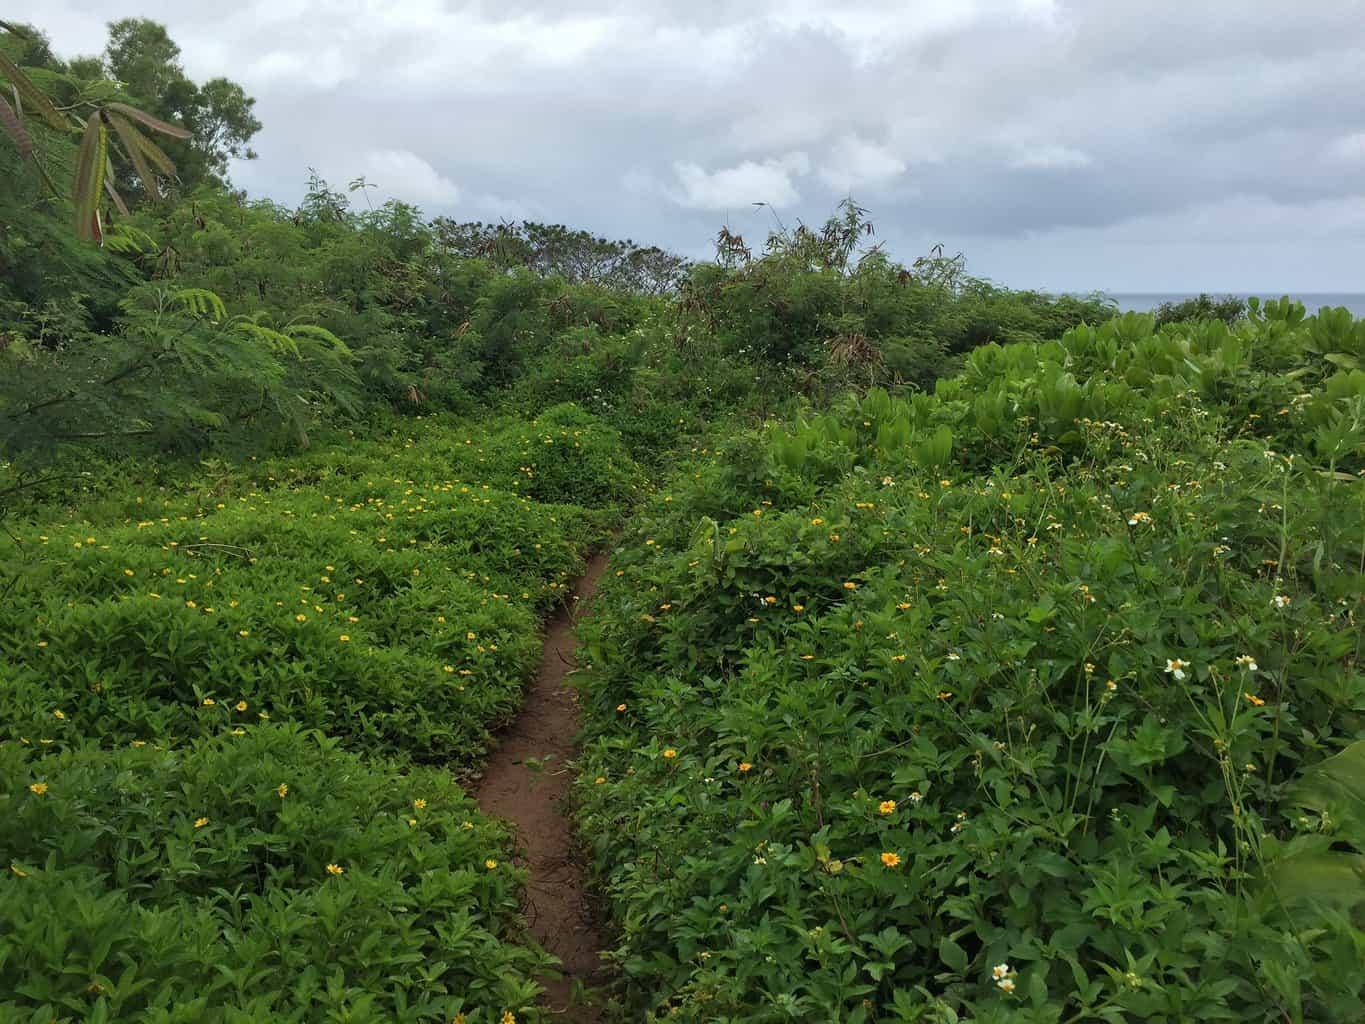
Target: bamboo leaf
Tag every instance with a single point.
(15, 126)
(130, 137)
(32, 95)
(155, 123)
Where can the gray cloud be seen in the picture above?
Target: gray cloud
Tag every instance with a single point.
(1066, 145)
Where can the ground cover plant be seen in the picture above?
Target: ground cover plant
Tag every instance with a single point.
(369, 592)
(1037, 699)
(266, 876)
(237, 703)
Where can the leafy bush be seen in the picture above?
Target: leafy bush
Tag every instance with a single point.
(263, 876)
(990, 704)
(359, 591)
(1227, 308)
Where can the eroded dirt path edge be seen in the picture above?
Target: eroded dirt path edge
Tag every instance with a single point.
(526, 782)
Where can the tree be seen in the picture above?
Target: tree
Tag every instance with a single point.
(218, 114)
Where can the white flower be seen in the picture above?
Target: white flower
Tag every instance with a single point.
(1176, 668)
(1000, 971)
(1006, 985)
(1281, 601)
(916, 797)
(1247, 662)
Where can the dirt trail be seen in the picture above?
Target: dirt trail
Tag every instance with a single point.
(558, 910)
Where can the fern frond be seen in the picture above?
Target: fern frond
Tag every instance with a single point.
(126, 240)
(277, 340)
(318, 333)
(201, 302)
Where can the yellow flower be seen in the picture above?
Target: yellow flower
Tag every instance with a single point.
(344, 638)
(850, 585)
(300, 617)
(282, 789)
(1256, 701)
(599, 780)
(335, 869)
(508, 1017)
(745, 766)
(891, 860)
(18, 871)
(59, 714)
(241, 705)
(670, 754)
(490, 864)
(620, 707)
(38, 788)
(887, 807)
(419, 803)
(209, 702)
(200, 822)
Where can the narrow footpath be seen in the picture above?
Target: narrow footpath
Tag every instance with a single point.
(526, 782)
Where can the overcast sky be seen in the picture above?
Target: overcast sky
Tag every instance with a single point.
(1126, 145)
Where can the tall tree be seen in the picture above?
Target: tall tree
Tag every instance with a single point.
(219, 114)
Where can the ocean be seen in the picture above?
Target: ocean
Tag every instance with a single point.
(1143, 302)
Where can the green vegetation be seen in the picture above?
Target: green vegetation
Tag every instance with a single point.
(969, 654)
(996, 704)
(1228, 308)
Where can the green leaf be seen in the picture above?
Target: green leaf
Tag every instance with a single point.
(32, 95)
(132, 143)
(12, 123)
(952, 954)
(156, 124)
(88, 183)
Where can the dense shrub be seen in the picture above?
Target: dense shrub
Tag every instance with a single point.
(1227, 308)
(245, 878)
(376, 592)
(1002, 703)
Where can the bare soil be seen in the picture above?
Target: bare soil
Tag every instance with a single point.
(526, 782)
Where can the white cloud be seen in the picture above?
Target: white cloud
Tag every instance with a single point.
(749, 182)
(403, 174)
(855, 163)
(1049, 158)
(1350, 148)
(1026, 127)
